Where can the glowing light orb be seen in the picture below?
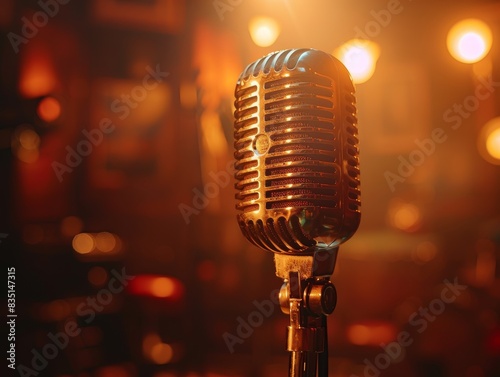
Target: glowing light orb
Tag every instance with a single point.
(264, 31)
(469, 40)
(360, 58)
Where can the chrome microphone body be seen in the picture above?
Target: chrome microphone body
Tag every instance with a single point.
(296, 151)
(297, 182)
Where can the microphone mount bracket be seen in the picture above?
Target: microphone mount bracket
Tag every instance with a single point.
(308, 297)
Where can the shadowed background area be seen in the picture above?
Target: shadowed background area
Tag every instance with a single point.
(117, 195)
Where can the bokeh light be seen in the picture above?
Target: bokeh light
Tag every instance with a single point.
(29, 139)
(155, 350)
(156, 286)
(493, 144)
(105, 242)
(360, 58)
(49, 109)
(469, 40)
(83, 243)
(162, 287)
(161, 353)
(37, 74)
(489, 141)
(25, 143)
(264, 31)
(404, 216)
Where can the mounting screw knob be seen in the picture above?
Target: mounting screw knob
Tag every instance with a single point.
(321, 298)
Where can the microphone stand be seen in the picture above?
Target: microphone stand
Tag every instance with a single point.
(308, 296)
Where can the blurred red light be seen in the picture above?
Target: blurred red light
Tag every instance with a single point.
(49, 109)
(156, 286)
(493, 342)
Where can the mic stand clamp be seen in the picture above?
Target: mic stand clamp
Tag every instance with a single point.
(308, 296)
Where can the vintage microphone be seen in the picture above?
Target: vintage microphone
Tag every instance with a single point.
(298, 190)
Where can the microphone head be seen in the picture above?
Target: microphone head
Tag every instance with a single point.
(296, 151)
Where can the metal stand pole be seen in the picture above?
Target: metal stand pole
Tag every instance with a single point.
(323, 356)
(308, 296)
(307, 333)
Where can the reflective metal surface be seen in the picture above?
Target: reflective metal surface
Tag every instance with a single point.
(296, 151)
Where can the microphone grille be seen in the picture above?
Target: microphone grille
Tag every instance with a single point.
(296, 151)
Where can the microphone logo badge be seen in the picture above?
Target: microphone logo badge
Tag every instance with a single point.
(261, 144)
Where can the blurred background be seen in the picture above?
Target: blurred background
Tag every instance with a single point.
(117, 198)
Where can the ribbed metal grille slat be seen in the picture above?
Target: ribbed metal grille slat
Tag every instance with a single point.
(353, 192)
(246, 119)
(299, 122)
